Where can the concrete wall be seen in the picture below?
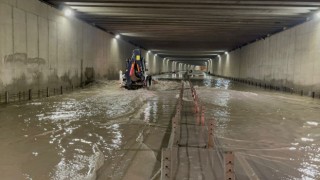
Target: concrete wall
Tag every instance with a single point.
(169, 66)
(226, 65)
(165, 65)
(287, 59)
(40, 47)
(154, 63)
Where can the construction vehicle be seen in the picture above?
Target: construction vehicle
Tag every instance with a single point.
(135, 74)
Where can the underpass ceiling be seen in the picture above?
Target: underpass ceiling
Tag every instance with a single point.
(188, 28)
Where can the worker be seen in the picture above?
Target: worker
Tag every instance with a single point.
(149, 79)
(146, 81)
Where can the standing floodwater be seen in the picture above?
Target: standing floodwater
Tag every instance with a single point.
(276, 135)
(104, 132)
(72, 136)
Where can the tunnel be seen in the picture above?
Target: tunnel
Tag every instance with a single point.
(159, 90)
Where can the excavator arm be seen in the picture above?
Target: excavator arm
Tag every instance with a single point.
(135, 71)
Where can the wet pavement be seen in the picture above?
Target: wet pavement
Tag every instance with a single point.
(104, 132)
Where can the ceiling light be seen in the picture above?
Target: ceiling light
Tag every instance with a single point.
(149, 52)
(117, 36)
(68, 12)
(226, 52)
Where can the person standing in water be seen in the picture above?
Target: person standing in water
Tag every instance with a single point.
(150, 80)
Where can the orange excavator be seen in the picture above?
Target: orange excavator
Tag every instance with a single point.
(134, 76)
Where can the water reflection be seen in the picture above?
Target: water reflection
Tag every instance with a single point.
(116, 140)
(154, 111)
(147, 112)
(312, 123)
(207, 82)
(222, 83)
(151, 110)
(210, 81)
(310, 171)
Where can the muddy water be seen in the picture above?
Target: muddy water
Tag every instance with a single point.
(72, 136)
(104, 132)
(274, 135)
(277, 135)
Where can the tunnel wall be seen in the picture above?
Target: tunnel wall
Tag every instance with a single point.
(41, 47)
(227, 65)
(154, 63)
(287, 59)
(165, 66)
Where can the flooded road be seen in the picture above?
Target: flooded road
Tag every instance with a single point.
(104, 132)
(72, 136)
(276, 134)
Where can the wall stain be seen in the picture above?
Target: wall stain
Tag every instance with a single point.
(112, 74)
(89, 75)
(287, 84)
(20, 73)
(23, 58)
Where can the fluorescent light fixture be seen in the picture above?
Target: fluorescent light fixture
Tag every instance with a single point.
(68, 12)
(156, 55)
(149, 52)
(226, 52)
(117, 36)
(318, 14)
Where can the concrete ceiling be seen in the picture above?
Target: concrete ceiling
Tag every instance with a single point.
(189, 28)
